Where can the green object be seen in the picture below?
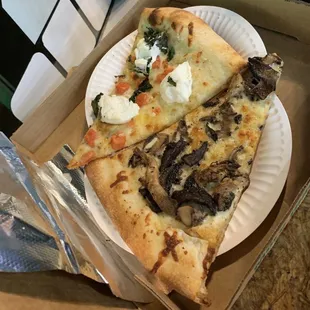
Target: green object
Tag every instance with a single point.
(6, 92)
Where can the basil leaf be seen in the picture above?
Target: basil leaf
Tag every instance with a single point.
(147, 65)
(143, 87)
(153, 35)
(94, 104)
(171, 53)
(171, 81)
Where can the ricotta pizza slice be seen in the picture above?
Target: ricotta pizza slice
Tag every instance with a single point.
(177, 63)
(172, 196)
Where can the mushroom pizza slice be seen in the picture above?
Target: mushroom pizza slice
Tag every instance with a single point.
(172, 196)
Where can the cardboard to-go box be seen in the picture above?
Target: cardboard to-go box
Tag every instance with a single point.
(60, 120)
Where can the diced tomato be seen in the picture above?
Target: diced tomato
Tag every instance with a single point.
(156, 63)
(157, 110)
(121, 88)
(161, 76)
(86, 158)
(142, 99)
(118, 141)
(90, 137)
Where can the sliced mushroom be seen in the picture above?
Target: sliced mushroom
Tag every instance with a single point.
(193, 193)
(238, 119)
(138, 158)
(261, 76)
(224, 193)
(150, 200)
(170, 176)
(181, 132)
(164, 202)
(211, 103)
(156, 145)
(234, 153)
(172, 151)
(192, 214)
(216, 172)
(210, 119)
(184, 213)
(211, 133)
(227, 109)
(195, 157)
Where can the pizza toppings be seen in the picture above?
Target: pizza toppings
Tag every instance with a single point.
(138, 158)
(156, 143)
(148, 197)
(117, 109)
(224, 192)
(192, 214)
(219, 124)
(172, 151)
(95, 104)
(121, 88)
(211, 103)
(90, 137)
(176, 87)
(118, 141)
(146, 54)
(162, 75)
(238, 119)
(262, 75)
(156, 64)
(195, 201)
(171, 53)
(158, 193)
(142, 99)
(194, 158)
(144, 86)
(170, 176)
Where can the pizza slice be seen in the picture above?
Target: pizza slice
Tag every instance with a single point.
(177, 63)
(172, 196)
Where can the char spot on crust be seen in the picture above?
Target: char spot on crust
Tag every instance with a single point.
(153, 17)
(144, 235)
(119, 178)
(147, 219)
(207, 260)
(174, 26)
(120, 156)
(125, 192)
(171, 242)
(190, 33)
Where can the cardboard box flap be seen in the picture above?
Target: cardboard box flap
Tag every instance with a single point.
(290, 17)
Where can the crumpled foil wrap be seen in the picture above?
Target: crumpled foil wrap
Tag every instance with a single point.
(46, 224)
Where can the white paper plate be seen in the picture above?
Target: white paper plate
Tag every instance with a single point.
(271, 164)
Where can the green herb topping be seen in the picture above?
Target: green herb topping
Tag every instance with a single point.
(171, 81)
(143, 87)
(171, 53)
(95, 105)
(152, 35)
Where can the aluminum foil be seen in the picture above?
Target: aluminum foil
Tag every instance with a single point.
(46, 224)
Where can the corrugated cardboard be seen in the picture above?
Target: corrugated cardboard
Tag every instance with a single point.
(60, 119)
